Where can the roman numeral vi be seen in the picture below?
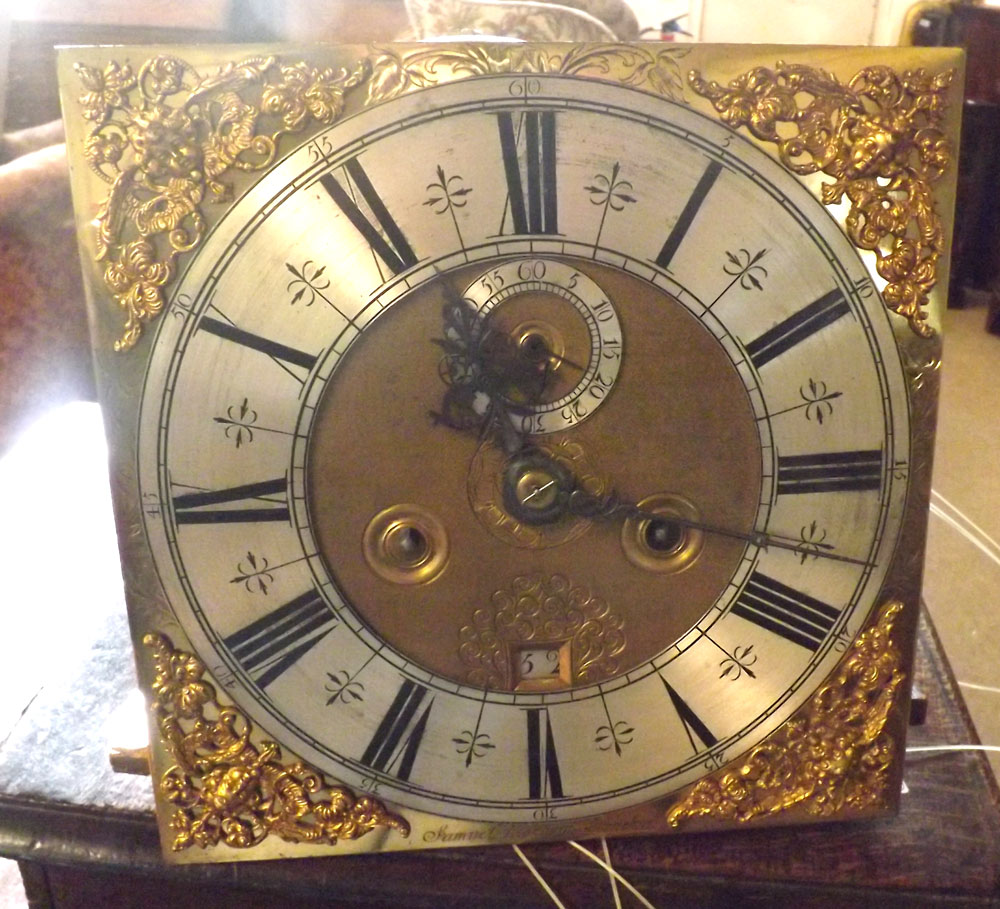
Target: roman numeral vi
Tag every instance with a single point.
(393, 747)
(544, 778)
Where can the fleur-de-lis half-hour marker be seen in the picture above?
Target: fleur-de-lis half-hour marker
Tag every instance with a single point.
(616, 735)
(813, 540)
(737, 663)
(239, 421)
(472, 745)
(446, 195)
(344, 688)
(744, 268)
(611, 193)
(255, 577)
(817, 398)
(308, 283)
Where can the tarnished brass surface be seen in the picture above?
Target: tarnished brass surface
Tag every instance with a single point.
(635, 443)
(834, 755)
(485, 495)
(225, 789)
(172, 135)
(880, 137)
(651, 67)
(167, 138)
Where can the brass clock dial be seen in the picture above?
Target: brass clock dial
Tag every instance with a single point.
(726, 322)
(521, 449)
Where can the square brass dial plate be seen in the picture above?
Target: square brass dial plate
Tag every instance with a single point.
(515, 442)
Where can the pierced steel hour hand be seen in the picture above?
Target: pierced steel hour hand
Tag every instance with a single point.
(486, 371)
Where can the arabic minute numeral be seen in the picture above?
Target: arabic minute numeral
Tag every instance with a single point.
(864, 287)
(224, 676)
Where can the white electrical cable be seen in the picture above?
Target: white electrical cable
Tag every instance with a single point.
(611, 877)
(616, 875)
(976, 687)
(966, 527)
(541, 880)
(913, 749)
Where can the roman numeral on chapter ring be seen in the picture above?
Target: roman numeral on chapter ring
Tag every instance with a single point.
(787, 612)
(835, 471)
(197, 507)
(533, 200)
(544, 778)
(255, 342)
(383, 233)
(797, 327)
(393, 747)
(688, 213)
(270, 645)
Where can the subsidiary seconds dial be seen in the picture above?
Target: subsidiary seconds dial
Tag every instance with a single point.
(564, 322)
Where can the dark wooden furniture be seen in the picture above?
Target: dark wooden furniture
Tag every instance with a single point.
(975, 271)
(85, 837)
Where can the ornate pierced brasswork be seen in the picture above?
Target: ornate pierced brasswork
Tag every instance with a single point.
(651, 67)
(833, 756)
(542, 611)
(880, 138)
(165, 140)
(229, 791)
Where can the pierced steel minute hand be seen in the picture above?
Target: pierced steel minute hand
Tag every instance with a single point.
(584, 504)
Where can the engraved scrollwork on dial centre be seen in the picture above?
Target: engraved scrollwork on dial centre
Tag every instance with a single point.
(542, 614)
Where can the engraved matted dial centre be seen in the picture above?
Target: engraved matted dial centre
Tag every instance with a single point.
(376, 446)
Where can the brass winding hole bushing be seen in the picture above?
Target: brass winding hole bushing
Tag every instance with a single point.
(406, 544)
(660, 545)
